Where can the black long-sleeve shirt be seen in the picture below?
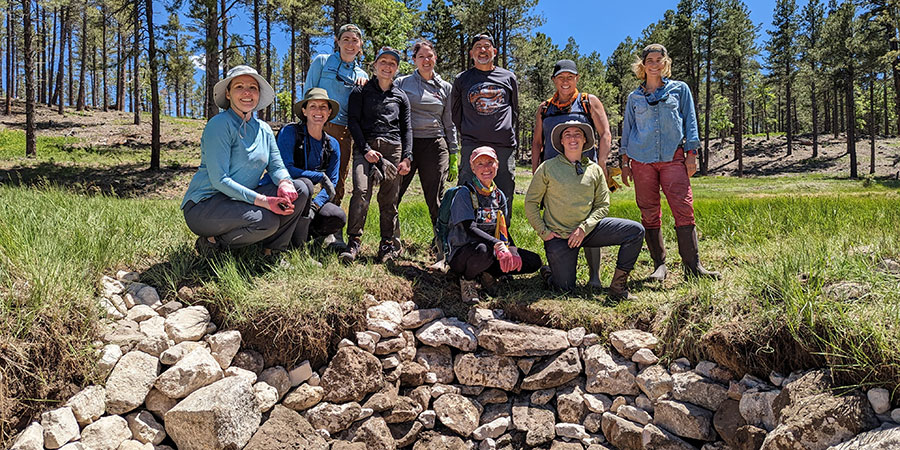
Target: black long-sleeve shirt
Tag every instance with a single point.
(373, 113)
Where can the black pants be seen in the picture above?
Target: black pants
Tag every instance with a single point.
(473, 259)
(431, 159)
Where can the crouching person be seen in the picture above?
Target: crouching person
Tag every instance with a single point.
(312, 157)
(480, 244)
(575, 197)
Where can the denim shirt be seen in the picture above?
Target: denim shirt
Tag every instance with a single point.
(656, 124)
(337, 77)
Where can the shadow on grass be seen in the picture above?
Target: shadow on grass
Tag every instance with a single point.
(126, 180)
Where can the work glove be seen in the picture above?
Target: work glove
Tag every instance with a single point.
(286, 190)
(517, 260)
(453, 170)
(504, 256)
(280, 205)
(328, 187)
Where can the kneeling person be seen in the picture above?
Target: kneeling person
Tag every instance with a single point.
(480, 244)
(575, 196)
(313, 157)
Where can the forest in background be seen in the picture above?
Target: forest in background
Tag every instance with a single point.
(823, 68)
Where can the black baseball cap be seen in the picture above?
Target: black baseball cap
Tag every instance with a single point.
(565, 65)
(483, 36)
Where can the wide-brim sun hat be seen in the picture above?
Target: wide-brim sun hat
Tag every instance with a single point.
(316, 94)
(556, 135)
(266, 93)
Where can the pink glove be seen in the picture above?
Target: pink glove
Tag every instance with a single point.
(280, 205)
(286, 190)
(504, 256)
(517, 260)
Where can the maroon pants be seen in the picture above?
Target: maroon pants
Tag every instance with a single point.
(672, 177)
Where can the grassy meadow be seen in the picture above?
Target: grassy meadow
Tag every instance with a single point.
(787, 248)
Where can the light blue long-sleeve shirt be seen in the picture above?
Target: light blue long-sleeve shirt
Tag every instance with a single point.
(337, 77)
(233, 156)
(656, 124)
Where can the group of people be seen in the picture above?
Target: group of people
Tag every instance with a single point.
(253, 188)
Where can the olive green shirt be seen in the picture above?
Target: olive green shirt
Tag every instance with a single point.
(570, 200)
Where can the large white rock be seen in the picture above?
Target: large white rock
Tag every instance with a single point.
(512, 339)
(385, 318)
(331, 417)
(880, 399)
(417, 318)
(436, 360)
(654, 381)
(194, 371)
(608, 374)
(31, 438)
(88, 405)
(224, 345)
(174, 353)
(492, 429)
(106, 434)
(304, 397)
(221, 415)
(266, 396)
(448, 331)
(886, 437)
(694, 388)
(457, 413)
(627, 342)
(145, 428)
(153, 327)
(757, 408)
(111, 286)
(109, 356)
(351, 375)
(158, 403)
(140, 313)
(685, 420)
(130, 381)
(59, 426)
(187, 324)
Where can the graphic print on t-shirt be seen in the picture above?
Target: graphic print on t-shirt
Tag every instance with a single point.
(486, 98)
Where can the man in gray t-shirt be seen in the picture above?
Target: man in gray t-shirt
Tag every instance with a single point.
(484, 103)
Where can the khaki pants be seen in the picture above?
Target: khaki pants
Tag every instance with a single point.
(362, 192)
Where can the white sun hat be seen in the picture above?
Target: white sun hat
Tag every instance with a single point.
(266, 93)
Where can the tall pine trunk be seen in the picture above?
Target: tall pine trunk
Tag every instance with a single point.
(154, 89)
(293, 79)
(704, 161)
(120, 68)
(51, 86)
(789, 122)
(80, 103)
(268, 53)
(872, 123)
(851, 123)
(103, 55)
(95, 95)
(70, 88)
(30, 139)
(895, 68)
(136, 96)
(256, 45)
(887, 122)
(9, 58)
(224, 26)
(60, 71)
(212, 58)
(815, 119)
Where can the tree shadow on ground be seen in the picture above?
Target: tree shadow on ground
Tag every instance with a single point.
(126, 180)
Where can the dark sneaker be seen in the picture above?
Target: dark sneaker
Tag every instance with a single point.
(489, 283)
(352, 252)
(205, 248)
(546, 275)
(387, 252)
(468, 291)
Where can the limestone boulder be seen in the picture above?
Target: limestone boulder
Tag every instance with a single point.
(685, 419)
(622, 433)
(109, 356)
(158, 403)
(250, 360)
(627, 342)
(448, 331)
(31, 438)
(654, 381)
(332, 417)
(492, 429)
(419, 317)
(130, 381)
(385, 318)
(222, 415)
(266, 396)
(405, 409)
(653, 437)
(107, 433)
(144, 428)
(224, 345)
(351, 374)
(607, 373)
(539, 424)
(174, 353)
(727, 419)
(304, 397)
(556, 371)
(278, 378)
(886, 437)
(457, 413)
(486, 370)
(373, 432)
(570, 404)
(437, 360)
(432, 440)
(511, 339)
(757, 408)
(59, 426)
(286, 429)
(187, 324)
(88, 405)
(197, 369)
(694, 388)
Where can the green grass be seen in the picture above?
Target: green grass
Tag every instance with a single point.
(779, 242)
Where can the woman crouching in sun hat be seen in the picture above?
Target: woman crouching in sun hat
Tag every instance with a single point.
(223, 204)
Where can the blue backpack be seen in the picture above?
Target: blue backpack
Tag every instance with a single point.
(442, 224)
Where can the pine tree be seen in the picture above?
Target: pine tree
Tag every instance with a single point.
(812, 17)
(734, 55)
(782, 56)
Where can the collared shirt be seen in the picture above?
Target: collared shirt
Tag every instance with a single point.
(485, 106)
(337, 77)
(375, 113)
(233, 156)
(656, 124)
(429, 102)
(570, 200)
(309, 164)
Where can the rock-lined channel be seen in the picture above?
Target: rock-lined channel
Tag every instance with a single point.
(416, 379)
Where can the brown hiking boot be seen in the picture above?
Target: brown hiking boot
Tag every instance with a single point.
(468, 291)
(618, 287)
(690, 254)
(387, 251)
(349, 255)
(657, 248)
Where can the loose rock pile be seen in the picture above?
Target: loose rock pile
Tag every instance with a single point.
(416, 379)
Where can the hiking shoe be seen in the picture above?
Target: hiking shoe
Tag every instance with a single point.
(387, 252)
(489, 283)
(349, 255)
(440, 266)
(205, 248)
(468, 291)
(618, 287)
(546, 275)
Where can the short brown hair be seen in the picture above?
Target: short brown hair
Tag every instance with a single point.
(422, 43)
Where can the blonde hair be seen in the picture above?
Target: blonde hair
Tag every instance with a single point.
(638, 68)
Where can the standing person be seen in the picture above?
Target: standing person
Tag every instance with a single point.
(382, 153)
(224, 204)
(659, 150)
(312, 157)
(575, 196)
(485, 106)
(568, 104)
(434, 149)
(480, 243)
(338, 73)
